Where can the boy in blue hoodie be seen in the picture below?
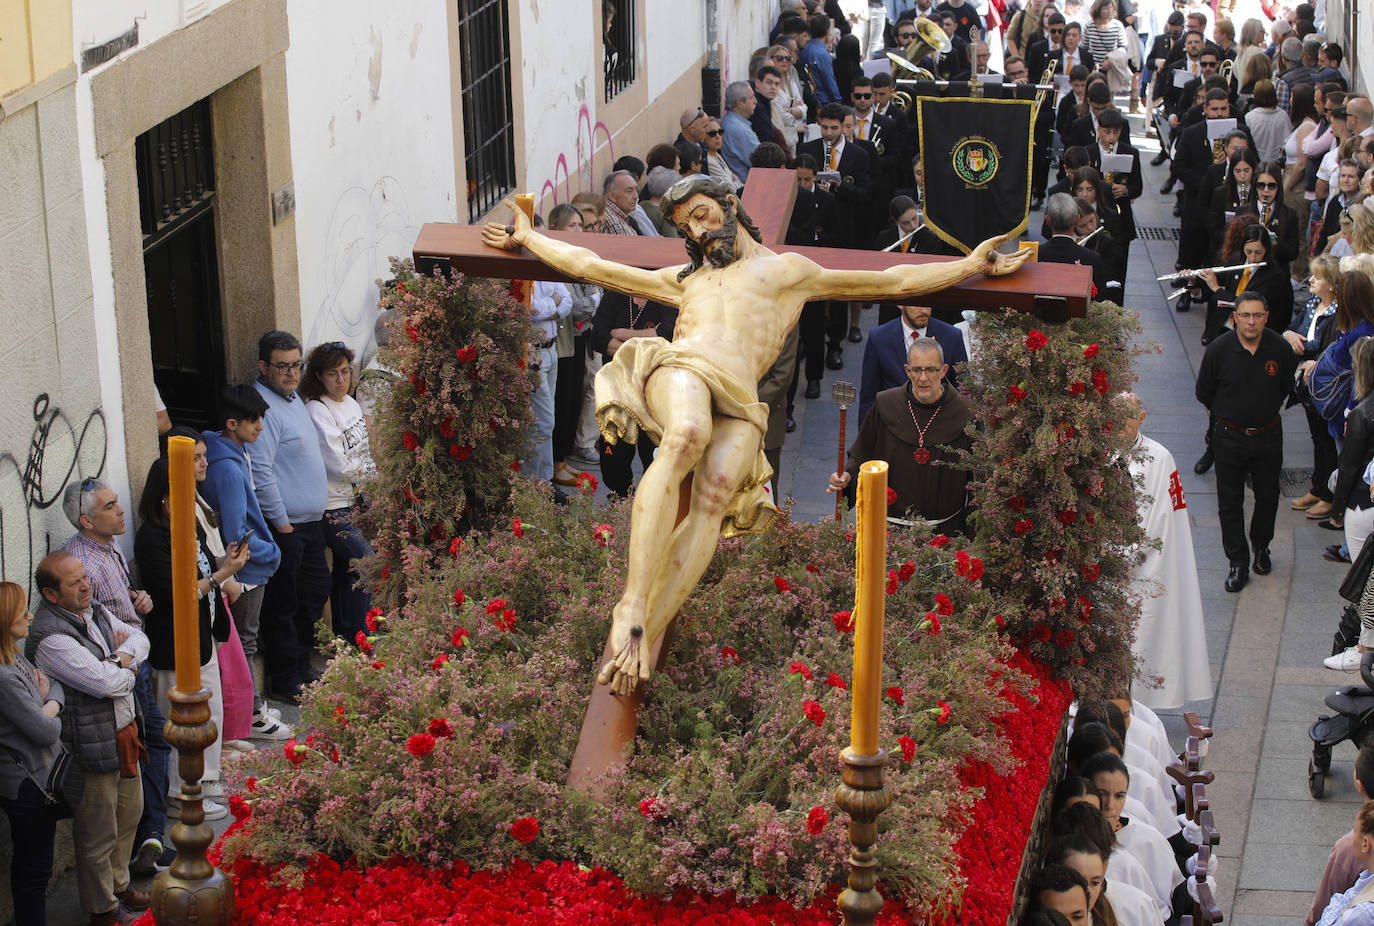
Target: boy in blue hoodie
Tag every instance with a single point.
(228, 487)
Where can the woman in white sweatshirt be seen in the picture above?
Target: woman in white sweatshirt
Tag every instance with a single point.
(327, 386)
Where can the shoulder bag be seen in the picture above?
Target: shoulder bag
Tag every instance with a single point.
(1330, 387)
(65, 785)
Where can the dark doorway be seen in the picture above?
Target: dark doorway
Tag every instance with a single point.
(176, 188)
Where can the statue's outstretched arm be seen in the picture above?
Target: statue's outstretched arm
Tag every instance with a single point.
(658, 285)
(914, 279)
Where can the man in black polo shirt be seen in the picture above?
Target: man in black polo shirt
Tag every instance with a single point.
(1245, 376)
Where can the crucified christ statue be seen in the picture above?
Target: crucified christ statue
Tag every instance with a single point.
(697, 396)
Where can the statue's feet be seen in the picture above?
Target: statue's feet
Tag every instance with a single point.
(629, 661)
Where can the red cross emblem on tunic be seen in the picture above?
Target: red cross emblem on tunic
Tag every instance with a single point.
(1176, 492)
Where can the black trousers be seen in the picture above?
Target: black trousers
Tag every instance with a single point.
(292, 604)
(1260, 457)
(617, 463)
(567, 397)
(1324, 454)
(822, 324)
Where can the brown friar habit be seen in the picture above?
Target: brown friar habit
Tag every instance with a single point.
(934, 490)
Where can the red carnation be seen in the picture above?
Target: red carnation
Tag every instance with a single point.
(525, 830)
(334, 756)
(730, 655)
(1065, 431)
(896, 694)
(420, 745)
(646, 806)
(1100, 382)
(459, 597)
(844, 623)
(906, 571)
(814, 712)
(892, 581)
(446, 427)
(782, 584)
(1001, 621)
(419, 383)
(454, 546)
(1042, 632)
(1091, 572)
(411, 441)
(372, 619)
(1064, 638)
(799, 668)
(516, 529)
(439, 727)
(1015, 395)
(507, 620)
(363, 644)
(933, 620)
(515, 466)
(943, 605)
(251, 784)
(495, 605)
(1023, 527)
(891, 497)
(816, 821)
(1058, 604)
(834, 681)
(1017, 503)
(459, 638)
(1036, 340)
(908, 747)
(1076, 387)
(1090, 351)
(943, 716)
(460, 451)
(1067, 516)
(379, 665)
(386, 572)
(439, 662)
(467, 354)
(586, 482)
(411, 332)
(961, 563)
(295, 752)
(602, 533)
(975, 570)
(939, 540)
(812, 567)
(240, 808)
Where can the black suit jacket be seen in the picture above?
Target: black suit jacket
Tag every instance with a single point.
(1134, 184)
(1271, 281)
(1062, 249)
(1284, 229)
(815, 220)
(1084, 132)
(852, 195)
(1039, 55)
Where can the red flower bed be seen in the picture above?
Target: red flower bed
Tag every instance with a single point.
(405, 892)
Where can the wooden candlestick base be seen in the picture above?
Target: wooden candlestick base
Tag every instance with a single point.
(192, 891)
(863, 795)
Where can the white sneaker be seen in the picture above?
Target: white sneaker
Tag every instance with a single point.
(213, 809)
(269, 711)
(212, 791)
(266, 728)
(1348, 661)
(238, 746)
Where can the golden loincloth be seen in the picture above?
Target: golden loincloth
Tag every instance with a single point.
(622, 412)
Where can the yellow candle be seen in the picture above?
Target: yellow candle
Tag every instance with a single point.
(181, 474)
(869, 599)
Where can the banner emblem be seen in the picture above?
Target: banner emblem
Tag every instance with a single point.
(976, 160)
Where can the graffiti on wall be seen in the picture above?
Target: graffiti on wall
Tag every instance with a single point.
(366, 226)
(32, 480)
(585, 155)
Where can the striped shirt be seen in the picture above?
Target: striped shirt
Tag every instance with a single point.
(66, 660)
(1104, 39)
(108, 572)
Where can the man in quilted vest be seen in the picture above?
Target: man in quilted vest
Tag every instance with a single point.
(96, 656)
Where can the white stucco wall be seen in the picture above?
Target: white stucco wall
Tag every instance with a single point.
(371, 148)
(98, 21)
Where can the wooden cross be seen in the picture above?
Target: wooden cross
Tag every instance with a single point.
(1052, 291)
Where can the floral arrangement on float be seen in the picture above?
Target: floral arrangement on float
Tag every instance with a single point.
(441, 739)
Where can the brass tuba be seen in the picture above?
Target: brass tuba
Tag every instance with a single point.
(1228, 67)
(929, 37)
(902, 99)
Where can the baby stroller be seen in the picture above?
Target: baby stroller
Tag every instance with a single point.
(1353, 720)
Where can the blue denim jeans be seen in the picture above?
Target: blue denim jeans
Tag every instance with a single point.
(154, 819)
(348, 604)
(31, 831)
